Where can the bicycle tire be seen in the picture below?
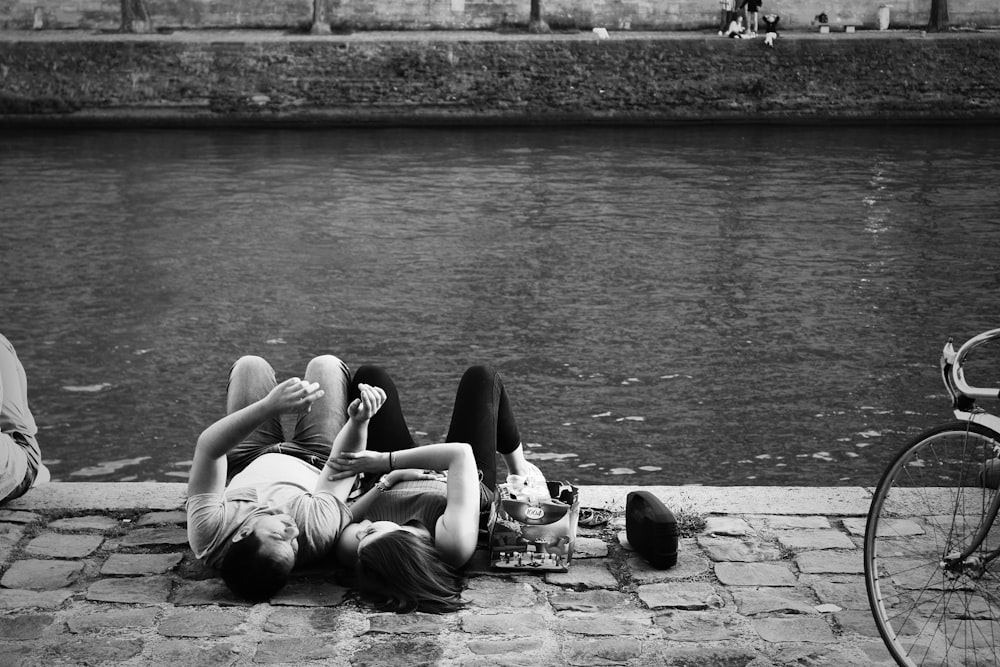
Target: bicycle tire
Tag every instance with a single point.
(927, 505)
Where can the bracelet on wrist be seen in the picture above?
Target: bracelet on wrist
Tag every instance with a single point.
(383, 484)
(391, 466)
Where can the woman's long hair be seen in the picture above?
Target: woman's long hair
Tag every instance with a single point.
(402, 572)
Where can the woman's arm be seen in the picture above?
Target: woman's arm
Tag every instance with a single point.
(352, 438)
(208, 467)
(458, 528)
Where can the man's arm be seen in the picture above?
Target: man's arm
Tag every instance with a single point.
(208, 468)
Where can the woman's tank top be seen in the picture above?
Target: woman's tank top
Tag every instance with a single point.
(423, 501)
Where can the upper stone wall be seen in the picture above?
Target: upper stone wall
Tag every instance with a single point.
(347, 80)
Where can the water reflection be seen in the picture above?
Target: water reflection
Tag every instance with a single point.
(719, 306)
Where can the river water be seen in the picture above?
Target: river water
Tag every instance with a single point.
(738, 305)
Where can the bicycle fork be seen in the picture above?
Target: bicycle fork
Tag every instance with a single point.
(967, 562)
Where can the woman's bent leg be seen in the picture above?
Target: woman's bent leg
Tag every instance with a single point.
(250, 379)
(483, 418)
(387, 430)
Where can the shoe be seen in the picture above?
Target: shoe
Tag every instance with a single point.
(591, 518)
(651, 529)
(720, 33)
(43, 476)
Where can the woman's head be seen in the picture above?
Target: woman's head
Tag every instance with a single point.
(399, 570)
(261, 557)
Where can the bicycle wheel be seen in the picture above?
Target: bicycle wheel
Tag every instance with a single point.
(927, 508)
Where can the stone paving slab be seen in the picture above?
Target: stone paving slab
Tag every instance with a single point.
(101, 574)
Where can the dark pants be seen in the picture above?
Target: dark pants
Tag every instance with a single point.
(482, 417)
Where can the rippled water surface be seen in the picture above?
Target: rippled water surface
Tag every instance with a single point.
(670, 306)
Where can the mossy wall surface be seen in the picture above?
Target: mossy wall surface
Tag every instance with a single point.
(518, 81)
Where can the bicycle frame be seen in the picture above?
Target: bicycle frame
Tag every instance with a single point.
(963, 397)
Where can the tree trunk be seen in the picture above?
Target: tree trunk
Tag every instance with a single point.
(319, 23)
(535, 23)
(135, 16)
(939, 16)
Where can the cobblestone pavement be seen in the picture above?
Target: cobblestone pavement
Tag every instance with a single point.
(101, 574)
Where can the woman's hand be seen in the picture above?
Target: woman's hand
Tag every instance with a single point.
(348, 464)
(365, 407)
(294, 395)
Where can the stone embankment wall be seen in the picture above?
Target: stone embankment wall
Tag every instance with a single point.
(473, 14)
(300, 81)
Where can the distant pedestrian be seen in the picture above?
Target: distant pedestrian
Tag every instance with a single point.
(726, 8)
(736, 29)
(753, 8)
(770, 28)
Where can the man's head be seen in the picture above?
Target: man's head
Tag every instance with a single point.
(261, 557)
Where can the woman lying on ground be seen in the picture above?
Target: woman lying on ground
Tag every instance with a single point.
(415, 528)
(258, 504)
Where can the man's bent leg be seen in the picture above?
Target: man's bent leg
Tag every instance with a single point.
(251, 379)
(14, 412)
(316, 429)
(15, 479)
(20, 457)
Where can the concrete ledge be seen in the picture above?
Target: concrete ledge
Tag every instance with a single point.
(103, 496)
(791, 500)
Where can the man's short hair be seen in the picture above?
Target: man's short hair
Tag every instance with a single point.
(254, 572)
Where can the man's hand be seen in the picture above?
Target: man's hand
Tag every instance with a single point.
(365, 407)
(293, 395)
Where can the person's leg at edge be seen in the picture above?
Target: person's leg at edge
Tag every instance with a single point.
(316, 429)
(20, 457)
(483, 417)
(250, 379)
(387, 430)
